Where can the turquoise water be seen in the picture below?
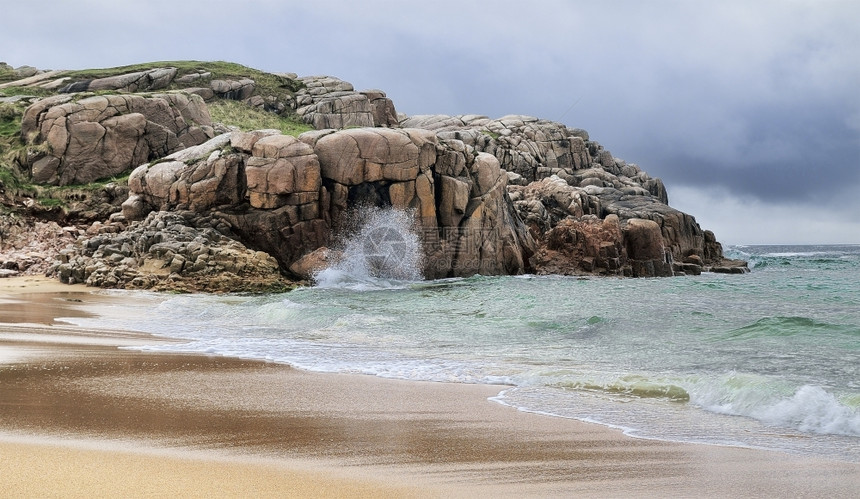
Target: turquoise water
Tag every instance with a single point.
(767, 359)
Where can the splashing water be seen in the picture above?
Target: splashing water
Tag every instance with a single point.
(381, 250)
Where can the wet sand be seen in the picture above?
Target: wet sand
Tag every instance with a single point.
(80, 417)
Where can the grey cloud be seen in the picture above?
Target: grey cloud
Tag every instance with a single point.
(785, 154)
(757, 98)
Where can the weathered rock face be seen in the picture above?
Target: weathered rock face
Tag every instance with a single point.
(535, 149)
(585, 245)
(283, 171)
(459, 196)
(140, 81)
(328, 102)
(27, 246)
(96, 137)
(196, 178)
(178, 251)
(681, 234)
(286, 196)
(545, 205)
(377, 167)
(233, 89)
(558, 173)
(645, 249)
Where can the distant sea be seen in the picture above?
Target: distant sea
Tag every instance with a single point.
(769, 359)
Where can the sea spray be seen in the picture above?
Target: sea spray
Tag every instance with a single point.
(380, 245)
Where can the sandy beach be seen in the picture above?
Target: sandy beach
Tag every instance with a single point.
(81, 417)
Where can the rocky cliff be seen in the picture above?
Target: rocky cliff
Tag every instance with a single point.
(490, 196)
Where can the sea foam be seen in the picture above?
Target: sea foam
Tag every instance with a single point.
(810, 409)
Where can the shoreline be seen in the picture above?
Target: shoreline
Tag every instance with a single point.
(73, 399)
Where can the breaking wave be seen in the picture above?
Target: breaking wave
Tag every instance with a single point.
(810, 408)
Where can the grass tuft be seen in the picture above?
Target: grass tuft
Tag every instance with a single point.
(34, 91)
(10, 119)
(248, 118)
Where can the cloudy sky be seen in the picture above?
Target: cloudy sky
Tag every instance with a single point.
(748, 110)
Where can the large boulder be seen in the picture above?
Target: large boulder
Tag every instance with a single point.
(549, 206)
(310, 264)
(233, 89)
(266, 185)
(645, 249)
(328, 102)
(197, 179)
(585, 245)
(139, 81)
(94, 137)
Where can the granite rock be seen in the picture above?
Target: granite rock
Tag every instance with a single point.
(328, 102)
(287, 196)
(139, 81)
(177, 251)
(95, 137)
(547, 204)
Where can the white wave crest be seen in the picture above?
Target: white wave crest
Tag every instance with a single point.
(811, 409)
(814, 410)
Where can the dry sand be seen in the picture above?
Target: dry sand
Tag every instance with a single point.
(80, 417)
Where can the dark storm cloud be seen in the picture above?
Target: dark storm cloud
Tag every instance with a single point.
(797, 153)
(753, 99)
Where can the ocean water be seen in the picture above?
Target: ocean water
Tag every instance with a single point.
(769, 359)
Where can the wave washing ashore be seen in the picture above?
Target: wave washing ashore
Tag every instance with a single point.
(768, 359)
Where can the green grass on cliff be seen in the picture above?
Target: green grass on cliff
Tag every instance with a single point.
(13, 178)
(224, 111)
(266, 83)
(247, 118)
(37, 91)
(7, 73)
(10, 119)
(10, 146)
